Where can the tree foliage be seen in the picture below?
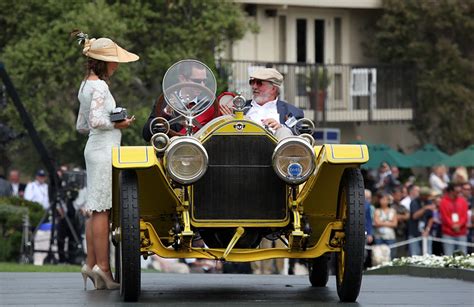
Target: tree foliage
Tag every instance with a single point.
(47, 66)
(437, 37)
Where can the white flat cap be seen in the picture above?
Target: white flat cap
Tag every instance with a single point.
(268, 74)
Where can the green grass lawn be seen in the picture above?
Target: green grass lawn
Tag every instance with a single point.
(16, 267)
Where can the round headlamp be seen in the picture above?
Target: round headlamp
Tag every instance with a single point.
(294, 160)
(185, 160)
(159, 141)
(239, 102)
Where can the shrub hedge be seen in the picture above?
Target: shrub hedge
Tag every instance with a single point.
(12, 211)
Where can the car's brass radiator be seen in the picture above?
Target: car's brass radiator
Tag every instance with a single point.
(240, 182)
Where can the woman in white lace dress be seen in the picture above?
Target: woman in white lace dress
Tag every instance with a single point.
(96, 104)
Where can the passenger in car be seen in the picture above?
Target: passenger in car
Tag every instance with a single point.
(266, 107)
(195, 73)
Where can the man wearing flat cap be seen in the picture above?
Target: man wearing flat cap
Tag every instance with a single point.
(37, 190)
(266, 108)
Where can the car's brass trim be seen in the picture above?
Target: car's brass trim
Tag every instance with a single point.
(229, 127)
(236, 223)
(240, 255)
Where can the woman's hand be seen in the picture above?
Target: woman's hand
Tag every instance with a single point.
(124, 123)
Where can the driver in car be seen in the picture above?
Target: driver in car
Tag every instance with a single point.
(190, 72)
(266, 107)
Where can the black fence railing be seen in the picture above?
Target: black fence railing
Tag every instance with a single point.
(337, 93)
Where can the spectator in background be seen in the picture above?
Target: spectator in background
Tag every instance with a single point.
(403, 215)
(421, 211)
(5, 188)
(368, 216)
(37, 190)
(369, 179)
(369, 235)
(460, 176)
(384, 172)
(438, 178)
(471, 178)
(391, 181)
(385, 222)
(18, 188)
(413, 193)
(466, 192)
(436, 225)
(453, 210)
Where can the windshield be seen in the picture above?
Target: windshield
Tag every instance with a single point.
(189, 87)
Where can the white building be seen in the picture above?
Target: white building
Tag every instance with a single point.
(296, 36)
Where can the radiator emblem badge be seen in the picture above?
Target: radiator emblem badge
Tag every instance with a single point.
(295, 170)
(239, 126)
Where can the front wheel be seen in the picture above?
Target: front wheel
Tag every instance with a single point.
(350, 261)
(129, 245)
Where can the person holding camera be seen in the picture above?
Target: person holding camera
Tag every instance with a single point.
(96, 105)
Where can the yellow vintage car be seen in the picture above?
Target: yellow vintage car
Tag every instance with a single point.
(233, 183)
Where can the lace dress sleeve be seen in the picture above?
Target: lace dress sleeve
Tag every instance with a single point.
(81, 124)
(99, 117)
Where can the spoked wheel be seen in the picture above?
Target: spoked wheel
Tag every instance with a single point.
(129, 246)
(319, 271)
(349, 262)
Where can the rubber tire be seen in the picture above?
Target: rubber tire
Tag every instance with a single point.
(117, 262)
(129, 238)
(354, 228)
(319, 271)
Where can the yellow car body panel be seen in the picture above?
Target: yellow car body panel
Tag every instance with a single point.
(160, 202)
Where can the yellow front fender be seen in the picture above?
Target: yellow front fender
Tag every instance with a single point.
(133, 157)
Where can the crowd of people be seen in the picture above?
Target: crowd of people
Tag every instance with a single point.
(403, 212)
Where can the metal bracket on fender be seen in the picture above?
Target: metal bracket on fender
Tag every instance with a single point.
(185, 236)
(297, 238)
(337, 238)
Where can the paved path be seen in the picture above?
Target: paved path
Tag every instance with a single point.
(66, 289)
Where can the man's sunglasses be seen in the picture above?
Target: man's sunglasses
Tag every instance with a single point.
(258, 82)
(198, 80)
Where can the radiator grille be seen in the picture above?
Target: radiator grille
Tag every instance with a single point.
(240, 182)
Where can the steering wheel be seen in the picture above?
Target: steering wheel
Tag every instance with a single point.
(205, 98)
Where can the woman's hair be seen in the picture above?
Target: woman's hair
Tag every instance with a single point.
(380, 195)
(98, 67)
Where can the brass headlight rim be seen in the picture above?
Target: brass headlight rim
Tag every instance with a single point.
(156, 135)
(172, 147)
(287, 142)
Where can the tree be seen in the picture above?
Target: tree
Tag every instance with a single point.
(46, 65)
(438, 38)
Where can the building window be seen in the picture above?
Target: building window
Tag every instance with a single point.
(319, 41)
(282, 24)
(301, 40)
(337, 41)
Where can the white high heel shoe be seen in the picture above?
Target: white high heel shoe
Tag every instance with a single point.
(87, 273)
(102, 280)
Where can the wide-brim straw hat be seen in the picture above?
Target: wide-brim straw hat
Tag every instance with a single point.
(105, 49)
